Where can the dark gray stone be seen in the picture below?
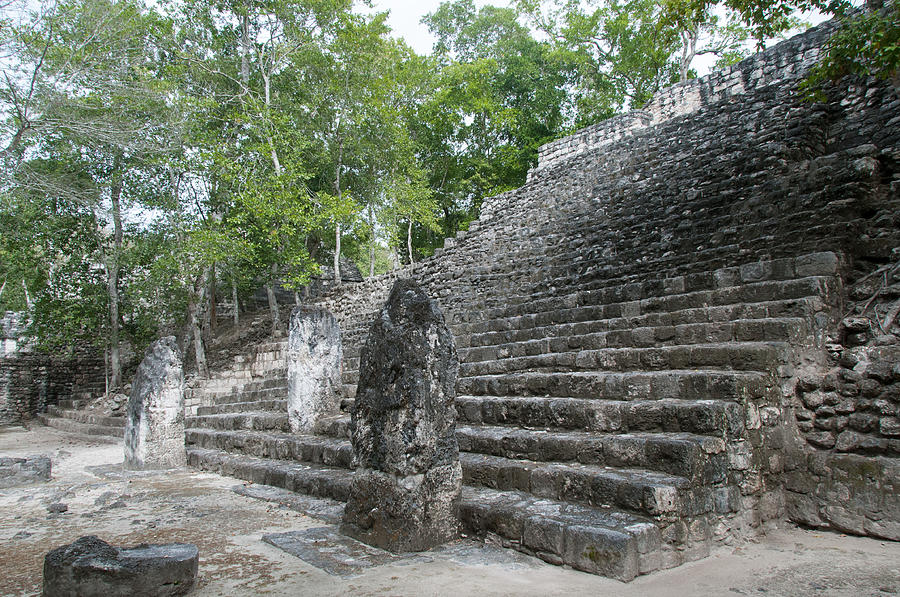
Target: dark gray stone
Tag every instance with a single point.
(154, 426)
(24, 471)
(405, 493)
(314, 368)
(91, 567)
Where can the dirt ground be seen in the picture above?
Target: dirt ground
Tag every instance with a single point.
(187, 506)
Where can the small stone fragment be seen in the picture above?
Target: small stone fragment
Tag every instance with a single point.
(154, 425)
(91, 567)
(57, 508)
(24, 471)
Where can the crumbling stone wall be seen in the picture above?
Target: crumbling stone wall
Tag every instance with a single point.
(31, 381)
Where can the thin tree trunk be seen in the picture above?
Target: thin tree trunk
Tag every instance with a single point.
(273, 301)
(245, 50)
(337, 255)
(371, 242)
(27, 296)
(337, 228)
(2, 288)
(395, 257)
(194, 302)
(112, 279)
(409, 240)
(212, 300)
(234, 298)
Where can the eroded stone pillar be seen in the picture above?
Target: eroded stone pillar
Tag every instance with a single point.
(314, 360)
(154, 424)
(405, 493)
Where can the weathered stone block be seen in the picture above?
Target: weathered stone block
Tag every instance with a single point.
(90, 567)
(314, 358)
(405, 493)
(24, 471)
(154, 425)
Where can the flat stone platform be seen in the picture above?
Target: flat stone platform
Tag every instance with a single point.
(228, 527)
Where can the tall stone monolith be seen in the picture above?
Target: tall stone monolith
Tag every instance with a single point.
(314, 359)
(154, 423)
(405, 493)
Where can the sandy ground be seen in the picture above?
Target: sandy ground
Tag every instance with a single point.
(201, 508)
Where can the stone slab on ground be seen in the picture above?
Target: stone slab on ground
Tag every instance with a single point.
(91, 567)
(24, 471)
(324, 509)
(327, 549)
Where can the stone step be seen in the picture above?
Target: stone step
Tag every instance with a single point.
(279, 406)
(279, 393)
(603, 541)
(248, 421)
(310, 479)
(86, 417)
(598, 540)
(70, 426)
(635, 300)
(596, 334)
(701, 459)
(650, 493)
(691, 384)
(739, 356)
(277, 446)
(701, 417)
(580, 277)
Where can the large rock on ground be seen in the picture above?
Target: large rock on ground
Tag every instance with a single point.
(405, 493)
(154, 425)
(91, 567)
(24, 471)
(314, 360)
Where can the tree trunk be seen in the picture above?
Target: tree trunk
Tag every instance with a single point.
(337, 255)
(371, 242)
(112, 279)
(273, 302)
(234, 298)
(245, 50)
(194, 303)
(27, 296)
(409, 240)
(395, 257)
(212, 300)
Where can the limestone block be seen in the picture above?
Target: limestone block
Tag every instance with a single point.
(154, 424)
(314, 360)
(24, 471)
(91, 567)
(405, 494)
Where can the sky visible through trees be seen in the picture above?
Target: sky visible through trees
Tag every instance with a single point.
(158, 159)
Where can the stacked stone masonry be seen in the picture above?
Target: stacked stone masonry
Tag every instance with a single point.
(646, 332)
(32, 381)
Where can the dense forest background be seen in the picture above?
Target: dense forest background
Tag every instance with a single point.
(160, 158)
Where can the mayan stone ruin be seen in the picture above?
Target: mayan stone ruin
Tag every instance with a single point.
(154, 425)
(665, 337)
(404, 494)
(313, 368)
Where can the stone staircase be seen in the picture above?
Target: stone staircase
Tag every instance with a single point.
(68, 417)
(617, 429)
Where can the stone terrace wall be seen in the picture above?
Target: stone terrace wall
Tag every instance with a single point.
(729, 170)
(31, 381)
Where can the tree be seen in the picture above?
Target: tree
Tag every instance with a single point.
(86, 115)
